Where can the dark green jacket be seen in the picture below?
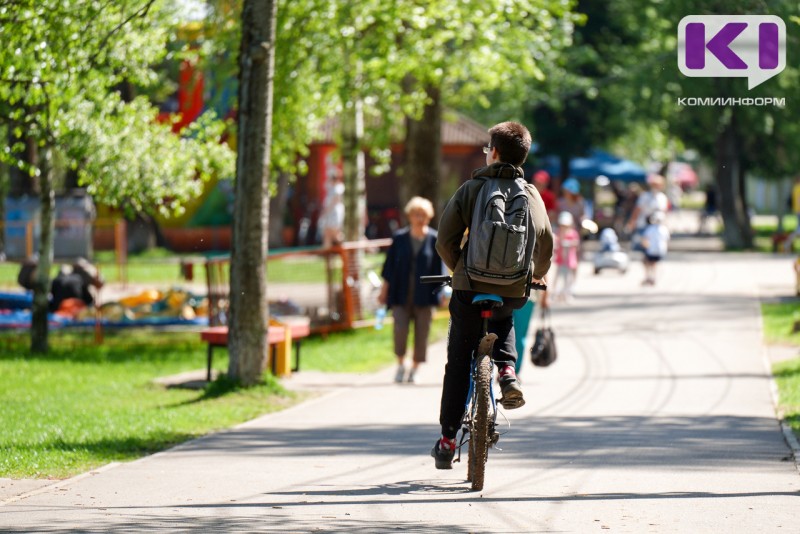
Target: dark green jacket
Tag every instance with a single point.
(457, 217)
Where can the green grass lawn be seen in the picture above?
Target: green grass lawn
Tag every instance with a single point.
(764, 228)
(769, 228)
(159, 266)
(362, 350)
(138, 271)
(84, 405)
(763, 232)
(779, 318)
(787, 376)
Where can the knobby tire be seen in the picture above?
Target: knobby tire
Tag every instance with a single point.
(479, 438)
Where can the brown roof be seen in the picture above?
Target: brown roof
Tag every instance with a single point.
(463, 131)
(457, 129)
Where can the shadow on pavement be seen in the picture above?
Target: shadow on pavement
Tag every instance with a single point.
(594, 442)
(675, 443)
(265, 521)
(265, 516)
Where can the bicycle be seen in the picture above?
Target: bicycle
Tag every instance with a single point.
(479, 422)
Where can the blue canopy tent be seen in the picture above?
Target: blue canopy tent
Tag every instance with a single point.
(598, 163)
(587, 170)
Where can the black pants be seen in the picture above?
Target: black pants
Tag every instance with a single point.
(465, 332)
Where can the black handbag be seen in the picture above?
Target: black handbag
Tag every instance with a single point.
(543, 351)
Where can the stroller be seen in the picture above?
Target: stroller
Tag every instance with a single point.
(610, 255)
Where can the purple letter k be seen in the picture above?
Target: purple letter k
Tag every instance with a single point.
(719, 45)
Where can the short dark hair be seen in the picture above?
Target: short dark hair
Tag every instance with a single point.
(512, 141)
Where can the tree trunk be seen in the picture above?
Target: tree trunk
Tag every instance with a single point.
(278, 206)
(355, 202)
(354, 170)
(41, 287)
(423, 153)
(4, 180)
(248, 286)
(736, 227)
(744, 213)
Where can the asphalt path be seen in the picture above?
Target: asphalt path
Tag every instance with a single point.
(657, 417)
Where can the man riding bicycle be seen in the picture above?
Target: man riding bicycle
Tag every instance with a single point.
(507, 150)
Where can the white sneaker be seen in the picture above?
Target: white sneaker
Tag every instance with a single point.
(401, 372)
(411, 379)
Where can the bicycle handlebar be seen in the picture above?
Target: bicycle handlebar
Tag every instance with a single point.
(447, 279)
(437, 279)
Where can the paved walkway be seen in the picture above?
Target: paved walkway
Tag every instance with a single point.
(657, 417)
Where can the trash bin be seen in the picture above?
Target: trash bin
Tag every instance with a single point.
(73, 231)
(19, 212)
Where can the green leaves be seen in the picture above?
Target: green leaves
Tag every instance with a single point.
(128, 159)
(60, 69)
(331, 53)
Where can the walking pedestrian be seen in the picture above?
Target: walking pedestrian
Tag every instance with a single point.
(567, 241)
(541, 179)
(648, 203)
(655, 239)
(412, 254)
(573, 202)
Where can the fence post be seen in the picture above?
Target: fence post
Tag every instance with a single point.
(121, 250)
(29, 239)
(356, 257)
(98, 322)
(328, 254)
(347, 294)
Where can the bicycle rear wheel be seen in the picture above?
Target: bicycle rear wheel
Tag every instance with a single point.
(479, 438)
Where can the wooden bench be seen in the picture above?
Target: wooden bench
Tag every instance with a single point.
(279, 337)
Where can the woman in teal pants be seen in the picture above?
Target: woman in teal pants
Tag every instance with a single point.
(522, 320)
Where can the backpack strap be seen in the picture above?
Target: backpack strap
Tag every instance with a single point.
(528, 281)
(483, 179)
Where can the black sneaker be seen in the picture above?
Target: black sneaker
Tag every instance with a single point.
(443, 457)
(512, 393)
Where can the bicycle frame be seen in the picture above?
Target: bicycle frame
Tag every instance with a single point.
(469, 406)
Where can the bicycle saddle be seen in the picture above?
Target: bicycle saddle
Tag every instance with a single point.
(488, 299)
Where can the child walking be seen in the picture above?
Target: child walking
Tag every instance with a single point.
(654, 240)
(566, 256)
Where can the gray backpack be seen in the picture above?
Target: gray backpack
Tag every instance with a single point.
(501, 236)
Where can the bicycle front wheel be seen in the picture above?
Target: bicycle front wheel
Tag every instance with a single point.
(479, 438)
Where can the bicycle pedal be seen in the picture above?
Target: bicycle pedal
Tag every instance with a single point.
(511, 403)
